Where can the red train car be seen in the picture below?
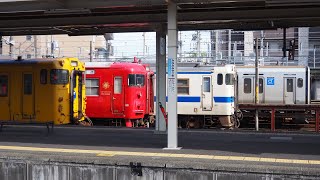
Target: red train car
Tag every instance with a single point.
(120, 91)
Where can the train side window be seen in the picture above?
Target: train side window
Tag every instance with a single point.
(247, 85)
(220, 79)
(261, 85)
(229, 79)
(27, 84)
(117, 85)
(43, 76)
(59, 76)
(183, 86)
(289, 85)
(3, 85)
(92, 87)
(300, 82)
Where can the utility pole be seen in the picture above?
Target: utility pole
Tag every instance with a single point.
(257, 85)
(35, 46)
(10, 47)
(144, 44)
(198, 46)
(52, 46)
(229, 46)
(91, 55)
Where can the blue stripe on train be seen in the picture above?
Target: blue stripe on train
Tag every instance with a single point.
(197, 99)
(191, 73)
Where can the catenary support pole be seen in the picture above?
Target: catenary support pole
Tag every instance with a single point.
(160, 78)
(172, 76)
(284, 48)
(257, 84)
(91, 51)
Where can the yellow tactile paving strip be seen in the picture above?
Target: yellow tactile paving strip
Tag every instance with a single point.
(165, 155)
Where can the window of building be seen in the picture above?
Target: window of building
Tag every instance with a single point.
(59, 76)
(136, 80)
(289, 85)
(28, 56)
(206, 84)
(247, 85)
(117, 85)
(220, 79)
(3, 85)
(183, 86)
(261, 86)
(300, 82)
(92, 87)
(43, 76)
(229, 79)
(27, 84)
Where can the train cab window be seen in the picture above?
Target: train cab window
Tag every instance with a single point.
(220, 79)
(247, 85)
(43, 76)
(92, 87)
(183, 86)
(261, 85)
(229, 79)
(289, 85)
(3, 85)
(136, 80)
(117, 85)
(300, 82)
(59, 76)
(27, 84)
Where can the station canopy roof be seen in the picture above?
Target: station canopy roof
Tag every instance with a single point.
(88, 17)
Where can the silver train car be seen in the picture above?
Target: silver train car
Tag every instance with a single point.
(277, 85)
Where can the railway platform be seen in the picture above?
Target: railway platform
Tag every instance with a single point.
(28, 152)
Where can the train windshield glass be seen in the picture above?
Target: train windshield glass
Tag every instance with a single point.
(136, 80)
(229, 79)
(59, 76)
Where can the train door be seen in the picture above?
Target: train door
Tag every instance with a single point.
(206, 99)
(261, 90)
(248, 90)
(28, 96)
(150, 104)
(118, 95)
(76, 94)
(289, 90)
(4, 97)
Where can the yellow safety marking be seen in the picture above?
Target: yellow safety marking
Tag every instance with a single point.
(106, 154)
(267, 160)
(284, 160)
(314, 162)
(236, 158)
(103, 153)
(205, 157)
(256, 159)
(221, 157)
(177, 155)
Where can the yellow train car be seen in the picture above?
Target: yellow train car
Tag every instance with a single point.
(42, 90)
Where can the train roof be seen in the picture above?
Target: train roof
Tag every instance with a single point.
(29, 61)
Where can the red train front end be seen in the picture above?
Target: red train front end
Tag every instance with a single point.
(120, 91)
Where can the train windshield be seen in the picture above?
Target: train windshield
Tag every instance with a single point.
(136, 80)
(59, 76)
